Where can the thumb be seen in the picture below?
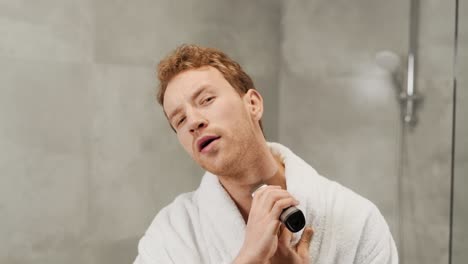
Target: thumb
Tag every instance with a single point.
(285, 236)
(304, 243)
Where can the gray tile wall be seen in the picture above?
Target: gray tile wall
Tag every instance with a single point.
(87, 156)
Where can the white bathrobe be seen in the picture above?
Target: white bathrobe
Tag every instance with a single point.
(205, 226)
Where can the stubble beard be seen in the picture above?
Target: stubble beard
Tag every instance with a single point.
(233, 156)
(242, 158)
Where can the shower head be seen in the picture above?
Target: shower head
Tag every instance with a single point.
(389, 61)
(408, 98)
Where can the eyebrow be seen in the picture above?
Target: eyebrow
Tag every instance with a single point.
(197, 92)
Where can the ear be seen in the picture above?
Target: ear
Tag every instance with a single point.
(254, 102)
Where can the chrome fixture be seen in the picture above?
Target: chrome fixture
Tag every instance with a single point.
(409, 99)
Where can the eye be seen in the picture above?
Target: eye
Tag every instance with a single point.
(207, 100)
(180, 121)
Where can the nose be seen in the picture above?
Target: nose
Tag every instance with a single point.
(197, 122)
(197, 126)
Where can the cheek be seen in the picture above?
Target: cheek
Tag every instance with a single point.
(229, 112)
(186, 143)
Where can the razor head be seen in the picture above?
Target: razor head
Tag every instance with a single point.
(293, 219)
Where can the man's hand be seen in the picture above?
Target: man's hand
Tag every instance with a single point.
(263, 225)
(286, 253)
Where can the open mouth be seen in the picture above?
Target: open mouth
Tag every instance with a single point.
(206, 141)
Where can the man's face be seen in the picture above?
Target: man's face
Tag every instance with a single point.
(214, 124)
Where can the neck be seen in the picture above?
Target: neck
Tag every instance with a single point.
(266, 169)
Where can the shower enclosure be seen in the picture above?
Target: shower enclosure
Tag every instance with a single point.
(370, 87)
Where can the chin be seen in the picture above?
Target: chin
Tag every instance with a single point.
(213, 168)
(218, 166)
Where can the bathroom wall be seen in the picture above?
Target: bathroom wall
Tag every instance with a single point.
(339, 110)
(87, 156)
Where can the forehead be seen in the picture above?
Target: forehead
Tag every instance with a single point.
(186, 83)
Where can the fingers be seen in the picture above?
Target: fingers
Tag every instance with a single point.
(304, 243)
(277, 227)
(268, 196)
(285, 236)
(265, 189)
(282, 204)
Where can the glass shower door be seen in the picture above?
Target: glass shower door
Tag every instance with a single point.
(345, 66)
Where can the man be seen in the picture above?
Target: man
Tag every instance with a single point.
(215, 111)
